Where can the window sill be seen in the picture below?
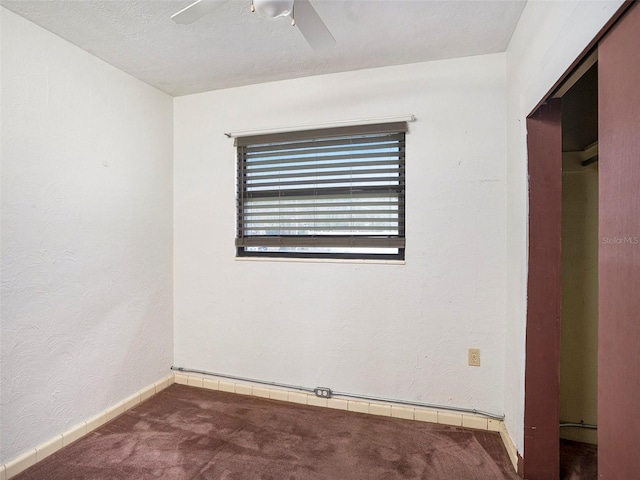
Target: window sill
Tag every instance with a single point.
(321, 260)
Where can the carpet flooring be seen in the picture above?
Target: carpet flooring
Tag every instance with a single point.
(578, 461)
(192, 433)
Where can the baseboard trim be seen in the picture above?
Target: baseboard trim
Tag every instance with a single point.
(42, 451)
(388, 409)
(510, 446)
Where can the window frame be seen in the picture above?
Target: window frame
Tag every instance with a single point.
(395, 130)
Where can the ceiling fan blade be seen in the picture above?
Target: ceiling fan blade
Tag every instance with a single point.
(193, 12)
(311, 26)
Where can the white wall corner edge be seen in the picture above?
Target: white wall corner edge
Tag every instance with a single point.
(42, 451)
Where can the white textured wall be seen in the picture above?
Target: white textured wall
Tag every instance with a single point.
(392, 331)
(548, 38)
(86, 235)
(1, 122)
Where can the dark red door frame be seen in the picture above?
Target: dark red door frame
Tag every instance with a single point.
(544, 299)
(541, 445)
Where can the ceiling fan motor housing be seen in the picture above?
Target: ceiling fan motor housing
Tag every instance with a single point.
(273, 8)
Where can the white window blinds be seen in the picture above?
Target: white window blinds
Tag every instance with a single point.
(330, 192)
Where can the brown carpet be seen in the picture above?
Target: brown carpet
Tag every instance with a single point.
(192, 433)
(578, 461)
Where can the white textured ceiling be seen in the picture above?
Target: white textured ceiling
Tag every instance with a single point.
(233, 47)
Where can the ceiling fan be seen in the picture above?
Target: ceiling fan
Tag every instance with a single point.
(302, 14)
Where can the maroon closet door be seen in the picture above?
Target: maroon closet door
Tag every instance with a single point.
(542, 376)
(619, 250)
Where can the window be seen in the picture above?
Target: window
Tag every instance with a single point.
(330, 193)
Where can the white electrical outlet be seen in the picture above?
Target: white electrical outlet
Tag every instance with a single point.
(474, 357)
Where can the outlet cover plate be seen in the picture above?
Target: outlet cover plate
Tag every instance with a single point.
(474, 357)
(322, 392)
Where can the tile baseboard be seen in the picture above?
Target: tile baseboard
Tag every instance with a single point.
(388, 409)
(42, 451)
(509, 445)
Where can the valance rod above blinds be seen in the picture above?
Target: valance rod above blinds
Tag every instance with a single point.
(355, 130)
(317, 126)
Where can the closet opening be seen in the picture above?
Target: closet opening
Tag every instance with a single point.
(578, 403)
